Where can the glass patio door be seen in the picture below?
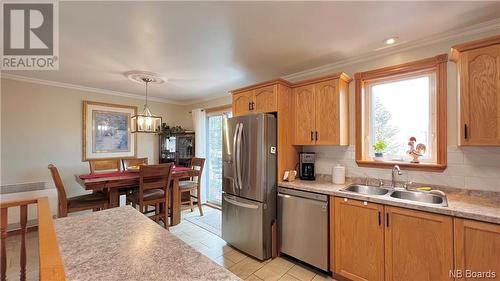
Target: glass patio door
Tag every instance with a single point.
(214, 157)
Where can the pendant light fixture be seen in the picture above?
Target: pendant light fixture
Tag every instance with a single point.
(146, 122)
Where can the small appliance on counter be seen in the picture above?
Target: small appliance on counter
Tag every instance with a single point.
(306, 166)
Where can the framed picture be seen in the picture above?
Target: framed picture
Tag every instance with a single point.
(106, 131)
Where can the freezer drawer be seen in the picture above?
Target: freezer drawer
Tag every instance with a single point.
(303, 226)
(242, 226)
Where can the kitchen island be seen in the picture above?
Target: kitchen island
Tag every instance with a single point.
(123, 244)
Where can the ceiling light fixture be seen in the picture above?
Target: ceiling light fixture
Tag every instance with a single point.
(146, 122)
(390, 41)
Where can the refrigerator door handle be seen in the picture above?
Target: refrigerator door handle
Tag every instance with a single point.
(240, 204)
(235, 167)
(238, 156)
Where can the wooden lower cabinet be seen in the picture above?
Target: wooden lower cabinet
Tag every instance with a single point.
(358, 239)
(376, 242)
(477, 250)
(418, 245)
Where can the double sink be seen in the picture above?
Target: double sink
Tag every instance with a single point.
(427, 197)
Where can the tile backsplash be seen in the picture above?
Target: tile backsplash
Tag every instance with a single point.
(474, 168)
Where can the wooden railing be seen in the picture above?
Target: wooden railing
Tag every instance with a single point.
(50, 262)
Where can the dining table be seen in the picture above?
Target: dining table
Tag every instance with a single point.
(113, 182)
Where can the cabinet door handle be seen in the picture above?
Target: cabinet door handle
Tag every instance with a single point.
(387, 219)
(249, 106)
(316, 135)
(312, 136)
(466, 134)
(379, 218)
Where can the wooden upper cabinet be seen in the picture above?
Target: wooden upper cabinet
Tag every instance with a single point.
(262, 97)
(305, 115)
(242, 103)
(266, 99)
(322, 111)
(320, 107)
(327, 112)
(418, 245)
(477, 248)
(358, 239)
(478, 66)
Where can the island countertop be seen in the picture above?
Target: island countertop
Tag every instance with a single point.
(123, 244)
(479, 208)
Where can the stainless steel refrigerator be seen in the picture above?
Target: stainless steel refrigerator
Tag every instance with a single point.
(249, 183)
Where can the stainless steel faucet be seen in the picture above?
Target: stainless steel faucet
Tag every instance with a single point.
(394, 169)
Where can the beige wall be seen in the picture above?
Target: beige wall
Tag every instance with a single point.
(43, 124)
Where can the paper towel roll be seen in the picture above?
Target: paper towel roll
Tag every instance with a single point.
(338, 174)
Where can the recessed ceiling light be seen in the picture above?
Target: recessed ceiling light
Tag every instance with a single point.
(390, 41)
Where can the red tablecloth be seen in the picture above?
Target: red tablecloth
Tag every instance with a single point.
(125, 173)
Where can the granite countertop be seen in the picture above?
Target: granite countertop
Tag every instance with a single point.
(479, 208)
(123, 244)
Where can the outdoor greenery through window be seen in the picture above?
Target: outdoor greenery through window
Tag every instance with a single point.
(399, 109)
(214, 144)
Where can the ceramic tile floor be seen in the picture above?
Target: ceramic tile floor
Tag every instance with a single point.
(209, 244)
(245, 267)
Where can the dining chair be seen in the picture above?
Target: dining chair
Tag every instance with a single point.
(128, 162)
(193, 184)
(105, 165)
(154, 181)
(94, 201)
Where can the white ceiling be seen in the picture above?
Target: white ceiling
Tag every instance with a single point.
(206, 49)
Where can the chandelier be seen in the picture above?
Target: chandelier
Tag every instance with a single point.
(146, 122)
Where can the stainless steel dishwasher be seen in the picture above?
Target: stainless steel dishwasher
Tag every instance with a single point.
(303, 226)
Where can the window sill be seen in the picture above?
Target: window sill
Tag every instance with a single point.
(430, 167)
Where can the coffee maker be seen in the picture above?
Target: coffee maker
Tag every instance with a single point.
(306, 166)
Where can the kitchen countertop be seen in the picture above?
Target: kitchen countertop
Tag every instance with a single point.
(123, 244)
(479, 208)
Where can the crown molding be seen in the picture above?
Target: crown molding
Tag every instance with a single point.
(406, 46)
(207, 99)
(85, 89)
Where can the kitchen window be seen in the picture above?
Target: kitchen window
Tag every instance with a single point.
(400, 105)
